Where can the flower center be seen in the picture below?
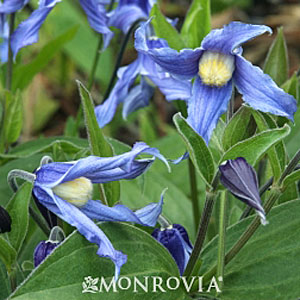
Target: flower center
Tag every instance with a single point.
(215, 69)
(77, 191)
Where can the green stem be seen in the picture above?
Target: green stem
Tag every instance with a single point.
(120, 57)
(13, 279)
(222, 233)
(244, 238)
(209, 203)
(194, 193)
(9, 69)
(291, 166)
(40, 221)
(230, 109)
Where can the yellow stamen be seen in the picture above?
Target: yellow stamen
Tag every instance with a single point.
(77, 191)
(215, 69)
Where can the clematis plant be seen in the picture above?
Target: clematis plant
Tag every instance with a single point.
(217, 65)
(66, 190)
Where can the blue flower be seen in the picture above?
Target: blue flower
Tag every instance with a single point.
(241, 180)
(218, 65)
(128, 12)
(98, 19)
(11, 6)
(176, 240)
(42, 250)
(66, 190)
(27, 32)
(137, 97)
(4, 35)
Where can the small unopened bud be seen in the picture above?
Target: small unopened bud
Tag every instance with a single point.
(5, 221)
(43, 249)
(78, 191)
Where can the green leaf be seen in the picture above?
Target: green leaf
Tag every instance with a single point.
(18, 210)
(240, 127)
(98, 144)
(77, 258)
(8, 254)
(253, 148)
(197, 23)
(276, 64)
(198, 150)
(267, 266)
(13, 117)
(24, 74)
(291, 178)
(4, 285)
(291, 86)
(165, 30)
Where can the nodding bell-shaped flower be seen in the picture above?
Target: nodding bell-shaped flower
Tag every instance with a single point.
(175, 238)
(241, 180)
(218, 65)
(5, 220)
(65, 188)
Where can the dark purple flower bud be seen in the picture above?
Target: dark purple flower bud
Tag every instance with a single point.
(241, 180)
(43, 249)
(5, 220)
(175, 239)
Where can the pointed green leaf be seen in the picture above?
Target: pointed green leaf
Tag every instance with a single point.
(291, 178)
(18, 210)
(276, 64)
(8, 254)
(77, 258)
(198, 150)
(240, 127)
(253, 148)
(98, 144)
(197, 23)
(292, 86)
(165, 30)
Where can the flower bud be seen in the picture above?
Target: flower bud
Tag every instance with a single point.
(43, 249)
(5, 221)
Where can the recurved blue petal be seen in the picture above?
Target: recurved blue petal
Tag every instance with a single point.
(206, 106)
(261, 92)
(27, 32)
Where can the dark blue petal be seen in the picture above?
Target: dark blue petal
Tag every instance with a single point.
(261, 92)
(96, 14)
(146, 216)
(231, 36)
(11, 6)
(138, 97)
(183, 64)
(126, 77)
(241, 180)
(27, 32)
(42, 250)
(206, 106)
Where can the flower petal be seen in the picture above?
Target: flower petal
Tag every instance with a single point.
(138, 97)
(231, 36)
(27, 32)
(96, 14)
(126, 77)
(241, 180)
(261, 92)
(206, 106)
(183, 64)
(11, 6)
(146, 216)
(4, 34)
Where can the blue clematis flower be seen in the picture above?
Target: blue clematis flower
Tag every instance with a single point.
(218, 65)
(11, 6)
(4, 34)
(27, 32)
(175, 238)
(139, 96)
(241, 180)
(66, 190)
(128, 12)
(98, 19)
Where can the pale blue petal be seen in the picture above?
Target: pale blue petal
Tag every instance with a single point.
(27, 32)
(96, 14)
(11, 6)
(4, 34)
(126, 77)
(231, 36)
(137, 98)
(261, 92)
(183, 64)
(206, 106)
